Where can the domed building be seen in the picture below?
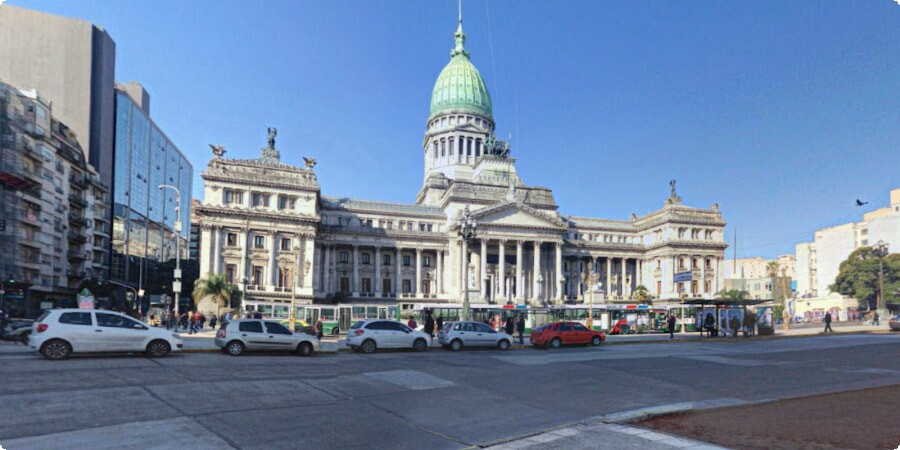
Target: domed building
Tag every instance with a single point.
(267, 227)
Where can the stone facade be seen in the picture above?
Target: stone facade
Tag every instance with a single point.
(262, 218)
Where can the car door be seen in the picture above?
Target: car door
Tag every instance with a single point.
(565, 333)
(112, 333)
(280, 338)
(484, 335)
(79, 330)
(581, 335)
(377, 331)
(401, 336)
(251, 332)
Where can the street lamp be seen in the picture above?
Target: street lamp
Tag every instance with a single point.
(176, 285)
(881, 250)
(467, 230)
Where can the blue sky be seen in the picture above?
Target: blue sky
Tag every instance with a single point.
(783, 112)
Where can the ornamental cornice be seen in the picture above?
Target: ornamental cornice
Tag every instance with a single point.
(253, 214)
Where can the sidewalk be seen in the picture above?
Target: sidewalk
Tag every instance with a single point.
(203, 341)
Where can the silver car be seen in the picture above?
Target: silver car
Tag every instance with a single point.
(456, 335)
(256, 334)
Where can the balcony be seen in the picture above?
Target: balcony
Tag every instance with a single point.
(77, 200)
(77, 238)
(77, 219)
(76, 255)
(78, 180)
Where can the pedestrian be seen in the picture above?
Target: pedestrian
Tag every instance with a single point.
(183, 321)
(212, 322)
(671, 323)
(429, 325)
(202, 320)
(709, 323)
(735, 325)
(875, 319)
(440, 323)
(412, 323)
(520, 327)
(509, 326)
(827, 321)
(319, 329)
(195, 322)
(258, 315)
(495, 323)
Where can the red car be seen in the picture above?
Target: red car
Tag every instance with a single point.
(556, 334)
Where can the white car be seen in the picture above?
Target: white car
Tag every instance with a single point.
(368, 335)
(456, 335)
(266, 335)
(61, 332)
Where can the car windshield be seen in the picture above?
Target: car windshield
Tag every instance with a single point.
(43, 316)
(541, 328)
(358, 325)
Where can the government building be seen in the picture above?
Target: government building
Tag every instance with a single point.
(269, 228)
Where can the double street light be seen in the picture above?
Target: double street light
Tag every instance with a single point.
(176, 285)
(467, 228)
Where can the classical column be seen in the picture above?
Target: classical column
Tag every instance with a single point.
(535, 293)
(625, 277)
(519, 281)
(483, 280)
(702, 284)
(217, 249)
(377, 278)
(355, 281)
(326, 267)
(439, 274)
(464, 269)
(501, 272)
(560, 280)
(609, 291)
(245, 251)
(273, 269)
(398, 259)
(418, 287)
(300, 277)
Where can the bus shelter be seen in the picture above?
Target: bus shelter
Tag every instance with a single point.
(724, 310)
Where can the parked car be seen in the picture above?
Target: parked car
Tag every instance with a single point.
(16, 331)
(557, 334)
(372, 334)
(60, 332)
(257, 334)
(456, 335)
(895, 323)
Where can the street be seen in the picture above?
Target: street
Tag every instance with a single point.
(437, 399)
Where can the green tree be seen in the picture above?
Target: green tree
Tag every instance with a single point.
(733, 294)
(858, 277)
(216, 287)
(641, 294)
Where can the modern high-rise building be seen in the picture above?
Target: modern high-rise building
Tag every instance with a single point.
(143, 215)
(52, 208)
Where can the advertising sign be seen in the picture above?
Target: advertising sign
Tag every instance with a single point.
(681, 277)
(85, 299)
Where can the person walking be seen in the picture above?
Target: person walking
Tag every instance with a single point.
(440, 324)
(319, 329)
(202, 321)
(735, 325)
(212, 322)
(429, 325)
(827, 321)
(875, 320)
(520, 327)
(509, 326)
(671, 323)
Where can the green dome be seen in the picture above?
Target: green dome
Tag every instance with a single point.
(459, 87)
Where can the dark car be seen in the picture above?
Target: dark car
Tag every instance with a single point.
(557, 334)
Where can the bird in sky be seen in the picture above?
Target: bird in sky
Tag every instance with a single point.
(860, 202)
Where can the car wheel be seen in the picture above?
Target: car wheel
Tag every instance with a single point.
(305, 349)
(420, 345)
(503, 345)
(456, 345)
(56, 350)
(158, 349)
(595, 341)
(235, 348)
(555, 343)
(368, 346)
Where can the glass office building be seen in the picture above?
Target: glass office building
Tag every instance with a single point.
(143, 215)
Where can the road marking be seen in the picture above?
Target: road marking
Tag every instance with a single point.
(411, 379)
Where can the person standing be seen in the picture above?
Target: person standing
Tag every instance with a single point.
(319, 329)
(827, 321)
(710, 324)
(735, 325)
(440, 324)
(520, 327)
(509, 326)
(429, 325)
(212, 322)
(671, 323)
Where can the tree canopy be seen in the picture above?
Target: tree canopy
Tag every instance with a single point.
(216, 287)
(733, 294)
(858, 277)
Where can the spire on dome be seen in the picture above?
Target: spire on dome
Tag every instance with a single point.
(460, 37)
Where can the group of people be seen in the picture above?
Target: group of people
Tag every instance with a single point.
(732, 325)
(433, 325)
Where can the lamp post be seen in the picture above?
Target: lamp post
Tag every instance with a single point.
(176, 285)
(467, 230)
(881, 250)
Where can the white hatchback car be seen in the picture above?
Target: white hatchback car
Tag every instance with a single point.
(266, 335)
(456, 335)
(368, 335)
(61, 332)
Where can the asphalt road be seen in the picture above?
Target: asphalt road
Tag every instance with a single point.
(571, 398)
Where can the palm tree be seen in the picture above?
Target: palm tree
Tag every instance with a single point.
(641, 294)
(216, 287)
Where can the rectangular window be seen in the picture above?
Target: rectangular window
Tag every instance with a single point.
(282, 202)
(257, 276)
(231, 239)
(694, 263)
(390, 225)
(345, 285)
(406, 260)
(421, 227)
(386, 286)
(426, 261)
(285, 243)
(345, 257)
(369, 223)
(407, 286)
(259, 241)
(365, 258)
(386, 260)
(409, 226)
(232, 196)
(426, 287)
(258, 199)
(230, 272)
(709, 264)
(366, 285)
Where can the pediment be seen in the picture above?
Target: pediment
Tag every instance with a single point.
(515, 214)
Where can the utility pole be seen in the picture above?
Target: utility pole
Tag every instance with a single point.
(176, 285)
